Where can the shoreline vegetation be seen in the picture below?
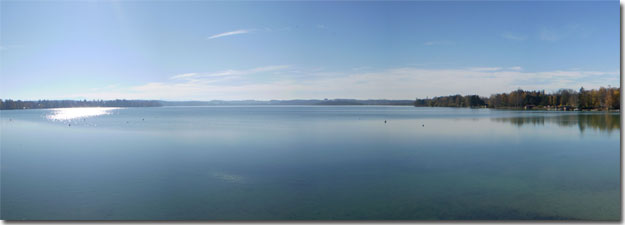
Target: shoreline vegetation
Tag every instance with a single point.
(602, 99)
(48, 104)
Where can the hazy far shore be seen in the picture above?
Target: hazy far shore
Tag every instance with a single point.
(44, 104)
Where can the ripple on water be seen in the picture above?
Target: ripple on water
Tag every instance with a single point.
(228, 177)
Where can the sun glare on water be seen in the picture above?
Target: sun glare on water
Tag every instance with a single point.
(77, 113)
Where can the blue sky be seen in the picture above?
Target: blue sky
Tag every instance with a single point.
(302, 50)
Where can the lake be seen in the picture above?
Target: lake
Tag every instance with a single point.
(309, 163)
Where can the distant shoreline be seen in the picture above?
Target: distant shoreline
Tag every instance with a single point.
(309, 105)
(525, 109)
(49, 104)
(602, 99)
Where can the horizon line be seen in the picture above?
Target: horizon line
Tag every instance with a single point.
(307, 99)
(258, 100)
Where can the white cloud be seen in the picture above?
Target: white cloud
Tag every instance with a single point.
(249, 71)
(549, 35)
(230, 33)
(230, 72)
(564, 32)
(485, 68)
(397, 83)
(490, 69)
(515, 37)
(430, 43)
(184, 75)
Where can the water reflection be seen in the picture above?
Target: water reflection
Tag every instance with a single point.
(601, 122)
(77, 113)
(233, 178)
(291, 162)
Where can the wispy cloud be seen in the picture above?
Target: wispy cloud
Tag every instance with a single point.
(491, 69)
(230, 33)
(184, 75)
(564, 32)
(430, 43)
(485, 68)
(515, 37)
(394, 83)
(549, 35)
(225, 73)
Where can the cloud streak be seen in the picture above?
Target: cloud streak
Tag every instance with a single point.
(559, 33)
(431, 43)
(226, 73)
(395, 83)
(230, 33)
(514, 37)
(184, 75)
(550, 35)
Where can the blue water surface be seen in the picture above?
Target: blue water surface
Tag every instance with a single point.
(309, 163)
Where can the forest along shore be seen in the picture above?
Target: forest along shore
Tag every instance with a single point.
(602, 99)
(46, 104)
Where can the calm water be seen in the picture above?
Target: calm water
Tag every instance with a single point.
(307, 162)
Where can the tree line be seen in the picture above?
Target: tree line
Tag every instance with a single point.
(563, 99)
(452, 101)
(43, 104)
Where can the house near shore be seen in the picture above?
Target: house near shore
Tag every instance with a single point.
(560, 108)
(567, 108)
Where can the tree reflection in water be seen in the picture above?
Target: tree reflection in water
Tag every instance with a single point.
(604, 122)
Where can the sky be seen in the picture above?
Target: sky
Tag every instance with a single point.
(199, 50)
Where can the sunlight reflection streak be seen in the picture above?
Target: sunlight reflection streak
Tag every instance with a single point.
(75, 113)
